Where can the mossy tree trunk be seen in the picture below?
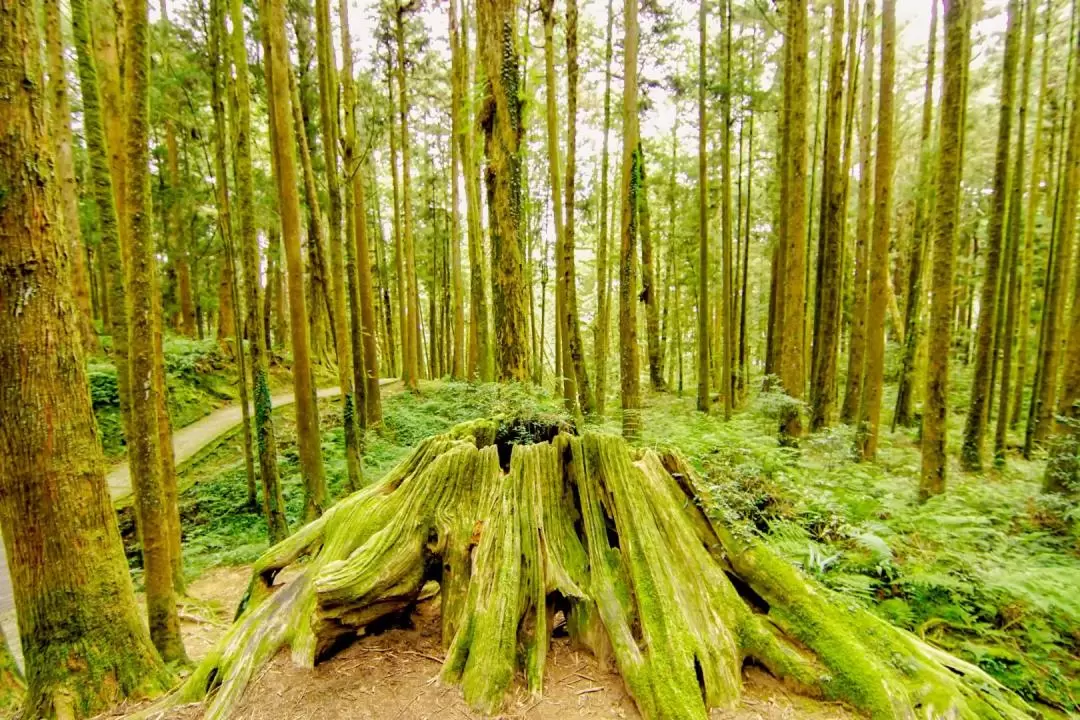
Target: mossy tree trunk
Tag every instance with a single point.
(629, 354)
(979, 404)
(414, 352)
(83, 641)
(585, 526)
(830, 238)
(704, 403)
(878, 252)
(500, 117)
(650, 281)
(273, 501)
(1034, 198)
(457, 101)
(152, 501)
(932, 474)
(307, 415)
(601, 330)
(905, 391)
(1010, 283)
(856, 366)
(358, 252)
(575, 346)
(725, 306)
(792, 357)
(60, 134)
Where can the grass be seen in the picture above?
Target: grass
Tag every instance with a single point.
(989, 570)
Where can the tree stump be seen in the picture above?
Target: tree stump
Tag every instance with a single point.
(520, 521)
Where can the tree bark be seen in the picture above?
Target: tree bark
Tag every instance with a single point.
(307, 414)
(60, 135)
(412, 293)
(792, 371)
(629, 360)
(601, 337)
(856, 369)
(932, 474)
(830, 237)
(978, 408)
(84, 644)
(874, 382)
(704, 402)
(903, 413)
(152, 505)
(500, 117)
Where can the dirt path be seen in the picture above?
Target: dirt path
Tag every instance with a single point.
(186, 442)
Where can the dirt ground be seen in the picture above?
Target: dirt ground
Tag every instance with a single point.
(394, 676)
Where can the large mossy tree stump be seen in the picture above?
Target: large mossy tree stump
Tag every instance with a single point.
(521, 521)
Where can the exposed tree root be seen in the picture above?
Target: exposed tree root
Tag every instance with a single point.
(612, 537)
(12, 684)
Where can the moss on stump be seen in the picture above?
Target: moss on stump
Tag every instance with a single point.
(521, 522)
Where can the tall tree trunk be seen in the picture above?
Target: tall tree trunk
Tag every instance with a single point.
(568, 379)
(273, 500)
(83, 642)
(649, 291)
(792, 371)
(1011, 279)
(307, 413)
(412, 293)
(744, 379)
(978, 409)
(831, 238)
(215, 37)
(874, 382)
(1035, 195)
(457, 99)
(399, 248)
(912, 305)
(629, 360)
(727, 278)
(1054, 311)
(328, 117)
(365, 334)
(856, 370)
(575, 345)
(602, 333)
(144, 448)
(60, 135)
(932, 474)
(501, 119)
(704, 402)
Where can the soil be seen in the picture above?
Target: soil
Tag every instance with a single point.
(394, 676)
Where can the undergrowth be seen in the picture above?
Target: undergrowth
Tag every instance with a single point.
(989, 570)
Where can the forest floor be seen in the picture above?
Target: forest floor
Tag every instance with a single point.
(987, 571)
(394, 675)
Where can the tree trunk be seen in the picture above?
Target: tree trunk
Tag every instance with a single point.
(575, 347)
(60, 135)
(1054, 312)
(328, 117)
(1035, 195)
(412, 293)
(932, 479)
(629, 360)
(84, 644)
(144, 449)
(273, 500)
(500, 117)
(727, 278)
(649, 293)
(903, 413)
(307, 413)
(704, 402)
(831, 238)
(602, 333)
(792, 373)
(978, 409)
(358, 252)
(874, 382)
(1011, 278)
(509, 555)
(567, 380)
(856, 370)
